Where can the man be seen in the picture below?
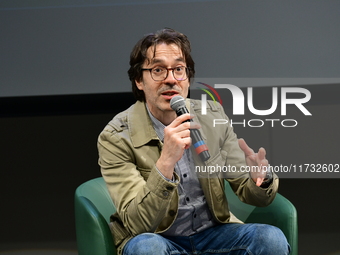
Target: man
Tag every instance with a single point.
(146, 159)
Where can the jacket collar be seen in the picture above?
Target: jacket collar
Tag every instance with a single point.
(140, 125)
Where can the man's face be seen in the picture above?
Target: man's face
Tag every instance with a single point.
(159, 93)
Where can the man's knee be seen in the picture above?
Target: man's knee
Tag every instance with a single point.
(146, 243)
(269, 240)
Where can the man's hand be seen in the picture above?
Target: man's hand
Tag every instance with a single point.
(176, 140)
(256, 161)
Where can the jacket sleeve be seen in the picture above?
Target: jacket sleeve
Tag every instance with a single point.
(141, 202)
(240, 181)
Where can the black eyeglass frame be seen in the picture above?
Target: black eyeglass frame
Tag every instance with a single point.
(167, 72)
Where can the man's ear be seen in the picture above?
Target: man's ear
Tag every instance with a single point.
(139, 84)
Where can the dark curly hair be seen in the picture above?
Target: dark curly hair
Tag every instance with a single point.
(138, 55)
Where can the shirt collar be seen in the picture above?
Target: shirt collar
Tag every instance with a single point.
(157, 125)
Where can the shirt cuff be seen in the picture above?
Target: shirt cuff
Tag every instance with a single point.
(167, 179)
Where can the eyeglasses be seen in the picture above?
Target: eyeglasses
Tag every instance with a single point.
(161, 73)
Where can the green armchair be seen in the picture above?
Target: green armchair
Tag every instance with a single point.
(93, 207)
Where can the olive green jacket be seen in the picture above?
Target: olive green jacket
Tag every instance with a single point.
(128, 150)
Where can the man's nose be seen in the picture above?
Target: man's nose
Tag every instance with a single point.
(170, 79)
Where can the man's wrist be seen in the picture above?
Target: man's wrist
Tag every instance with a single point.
(164, 169)
(165, 178)
(268, 179)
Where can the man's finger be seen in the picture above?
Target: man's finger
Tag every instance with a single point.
(261, 154)
(259, 181)
(180, 119)
(246, 149)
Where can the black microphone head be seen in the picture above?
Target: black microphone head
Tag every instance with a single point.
(177, 102)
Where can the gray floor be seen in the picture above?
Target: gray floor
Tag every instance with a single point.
(58, 248)
(39, 252)
(319, 244)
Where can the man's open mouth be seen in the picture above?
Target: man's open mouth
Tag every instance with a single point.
(169, 94)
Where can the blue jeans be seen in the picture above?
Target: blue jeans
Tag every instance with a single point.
(231, 239)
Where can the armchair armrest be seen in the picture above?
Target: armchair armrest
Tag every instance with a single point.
(280, 213)
(93, 232)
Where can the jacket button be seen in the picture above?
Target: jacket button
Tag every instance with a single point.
(169, 188)
(166, 193)
(172, 213)
(269, 192)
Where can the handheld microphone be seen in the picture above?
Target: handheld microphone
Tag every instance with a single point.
(177, 103)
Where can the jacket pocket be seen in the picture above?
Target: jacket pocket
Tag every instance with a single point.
(216, 166)
(118, 231)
